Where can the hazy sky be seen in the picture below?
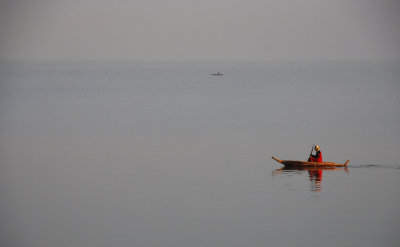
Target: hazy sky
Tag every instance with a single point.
(200, 29)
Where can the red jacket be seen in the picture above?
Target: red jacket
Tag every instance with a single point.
(316, 158)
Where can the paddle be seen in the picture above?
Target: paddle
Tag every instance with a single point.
(312, 149)
(309, 157)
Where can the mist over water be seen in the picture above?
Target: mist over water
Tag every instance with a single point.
(165, 154)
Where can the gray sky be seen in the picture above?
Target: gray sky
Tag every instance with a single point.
(199, 29)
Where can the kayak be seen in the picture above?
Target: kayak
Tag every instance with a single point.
(296, 163)
(307, 163)
(310, 168)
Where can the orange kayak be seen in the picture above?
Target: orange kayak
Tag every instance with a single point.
(306, 163)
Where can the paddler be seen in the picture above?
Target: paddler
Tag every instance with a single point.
(317, 157)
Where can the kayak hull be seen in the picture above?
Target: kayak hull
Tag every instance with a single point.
(296, 163)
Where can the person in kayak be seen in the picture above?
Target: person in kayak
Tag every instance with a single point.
(317, 157)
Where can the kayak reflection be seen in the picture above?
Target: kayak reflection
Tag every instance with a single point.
(315, 174)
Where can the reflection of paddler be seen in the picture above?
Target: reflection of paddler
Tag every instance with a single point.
(315, 179)
(315, 175)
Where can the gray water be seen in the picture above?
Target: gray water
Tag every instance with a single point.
(162, 154)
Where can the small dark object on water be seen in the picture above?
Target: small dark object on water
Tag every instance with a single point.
(218, 74)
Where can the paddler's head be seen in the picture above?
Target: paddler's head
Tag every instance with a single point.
(316, 148)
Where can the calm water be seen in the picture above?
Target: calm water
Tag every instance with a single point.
(162, 154)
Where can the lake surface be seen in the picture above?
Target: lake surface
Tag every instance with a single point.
(162, 154)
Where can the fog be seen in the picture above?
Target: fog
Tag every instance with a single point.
(199, 30)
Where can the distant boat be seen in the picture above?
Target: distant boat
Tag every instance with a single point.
(295, 163)
(218, 74)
